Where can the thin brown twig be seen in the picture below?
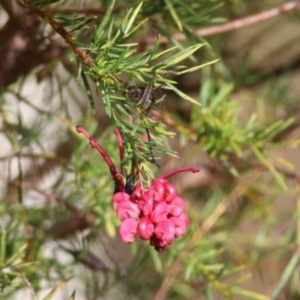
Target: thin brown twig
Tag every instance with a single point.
(69, 39)
(63, 33)
(26, 281)
(234, 25)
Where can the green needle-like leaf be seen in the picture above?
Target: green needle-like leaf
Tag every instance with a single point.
(174, 14)
(88, 91)
(176, 58)
(99, 31)
(193, 69)
(182, 95)
(132, 18)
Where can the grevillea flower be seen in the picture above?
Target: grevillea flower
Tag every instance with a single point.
(137, 193)
(155, 214)
(176, 207)
(119, 197)
(170, 192)
(145, 204)
(127, 210)
(160, 212)
(128, 230)
(164, 232)
(181, 224)
(146, 228)
(157, 190)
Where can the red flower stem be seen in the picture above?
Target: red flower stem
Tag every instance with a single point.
(102, 152)
(120, 143)
(119, 179)
(174, 172)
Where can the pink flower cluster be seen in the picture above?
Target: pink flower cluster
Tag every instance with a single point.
(156, 214)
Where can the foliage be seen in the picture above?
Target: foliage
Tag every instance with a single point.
(58, 223)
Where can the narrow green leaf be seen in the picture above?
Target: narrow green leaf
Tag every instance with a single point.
(117, 62)
(156, 259)
(106, 99)
(132, 18)
(154, 49)
(285, 163)
(190, 70)
(88, 91)
(123, 111)
(229, 270)
(271, 168)
(110, 29)
(286, 275)
(182, 95)
(189, 271)
(163, 53)
(240, 280)
(225, 90)
(249, 294)
(175, 42)
(16, 255)
(3, 247)
(175, 59)
(185, 290)
(104, 21)
(250, 122)
(267, 131)
(136, 27)
(174, 14)
(83, 24)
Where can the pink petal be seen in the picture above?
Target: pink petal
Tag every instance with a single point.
(157, 190)
(127, 209)
(180, 226)
(119, 197)
(165, 233)
(176, 207)
(146, 228)
(145, 204)
(170, 192)
(137, 193)
(186, 219)
(128, 230)
(160, 212)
